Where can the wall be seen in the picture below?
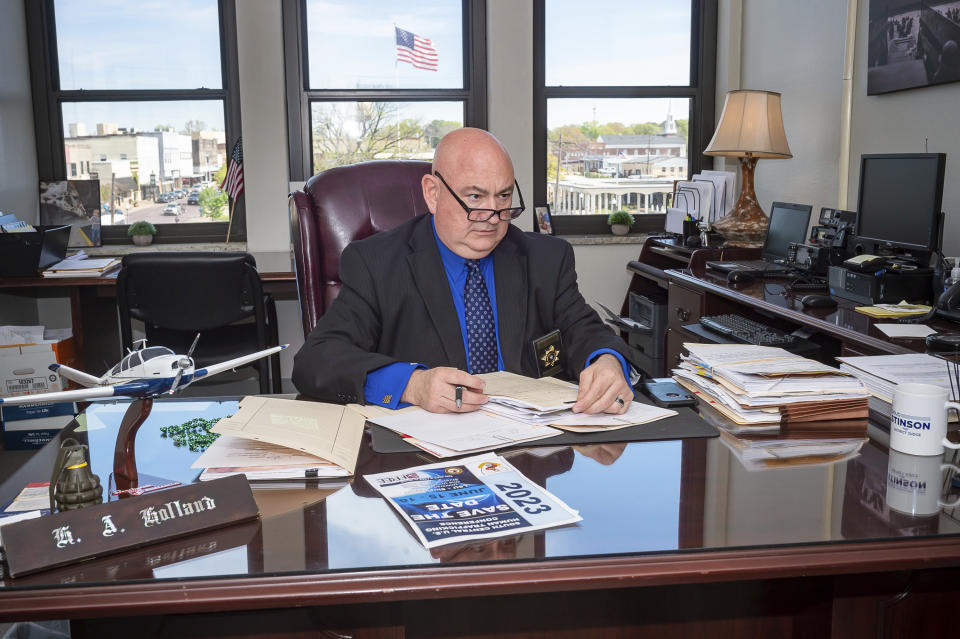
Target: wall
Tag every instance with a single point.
(915, 121)
(18, 159)
(796, 48)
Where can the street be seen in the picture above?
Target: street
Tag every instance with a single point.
(153, 212)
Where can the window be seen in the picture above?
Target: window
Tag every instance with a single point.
(416, 70)
(623, 105)
(149, 111)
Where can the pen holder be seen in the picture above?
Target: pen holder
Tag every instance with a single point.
(690, 229)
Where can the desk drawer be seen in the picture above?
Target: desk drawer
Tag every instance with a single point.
(684, 306)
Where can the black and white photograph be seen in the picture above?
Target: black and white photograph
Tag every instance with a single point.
(73, 202)
(912, 44)
(543, 220)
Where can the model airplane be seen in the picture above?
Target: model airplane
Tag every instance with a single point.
(145, 372)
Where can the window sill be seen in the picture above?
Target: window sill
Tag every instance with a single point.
(609, 238)
(125, 249)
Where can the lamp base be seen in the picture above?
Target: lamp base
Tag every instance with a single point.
(746, 224)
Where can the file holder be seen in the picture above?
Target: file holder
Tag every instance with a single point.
(27, 253)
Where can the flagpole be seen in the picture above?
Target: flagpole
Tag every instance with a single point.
(230, 223)
(396, 85)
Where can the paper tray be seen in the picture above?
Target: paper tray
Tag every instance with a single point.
(686, 424)
(27, 253)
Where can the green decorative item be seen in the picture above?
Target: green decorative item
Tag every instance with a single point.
(72, 484)
(620, 222)
(142, 232)
(194, 434)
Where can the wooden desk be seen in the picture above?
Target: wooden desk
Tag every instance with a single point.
(694, 291)
(677, 539)
(93, 308)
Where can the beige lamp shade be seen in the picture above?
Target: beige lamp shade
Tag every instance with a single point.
(751, 126)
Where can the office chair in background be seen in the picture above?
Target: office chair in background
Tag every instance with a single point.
(338, 206)
(177, 295)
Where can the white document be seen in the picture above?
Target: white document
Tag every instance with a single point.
(729, 179)
(230, 455)
(880, 373)
(329, 431)
(462, 432)
(719, 194)
(673, 223)
(917, 331)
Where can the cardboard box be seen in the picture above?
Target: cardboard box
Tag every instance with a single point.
(25, 370)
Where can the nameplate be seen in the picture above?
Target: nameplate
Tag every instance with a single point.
(64, 538)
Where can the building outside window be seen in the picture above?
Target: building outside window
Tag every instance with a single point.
(132, 111)
(620, 120)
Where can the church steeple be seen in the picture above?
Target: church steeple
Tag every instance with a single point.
(669, 125)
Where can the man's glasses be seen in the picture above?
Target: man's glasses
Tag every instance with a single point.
(483, 215)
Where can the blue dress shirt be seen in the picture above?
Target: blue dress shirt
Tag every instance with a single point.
(385, 385)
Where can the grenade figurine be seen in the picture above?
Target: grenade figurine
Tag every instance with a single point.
(72, 484)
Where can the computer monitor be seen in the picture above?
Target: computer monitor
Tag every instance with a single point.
(900, 199)
(788, 223)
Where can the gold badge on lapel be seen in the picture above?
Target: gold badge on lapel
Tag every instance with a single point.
(549, 353)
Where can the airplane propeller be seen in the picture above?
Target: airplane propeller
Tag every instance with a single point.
(184, 363)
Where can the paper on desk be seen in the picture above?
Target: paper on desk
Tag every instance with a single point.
(902, 309)
(543, 394)
(905, 330)
(462, 432)
(238, 452)
(14, 335)
(637, 413)
(880, 373)
(12, 519)
(329, 431)
(34, 496)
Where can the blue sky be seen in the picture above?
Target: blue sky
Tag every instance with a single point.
(352, 43)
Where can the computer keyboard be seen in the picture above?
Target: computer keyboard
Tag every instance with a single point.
(807, 284)
(747, 331)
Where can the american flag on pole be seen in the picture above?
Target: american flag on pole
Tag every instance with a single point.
(233, 180)
(415, 50)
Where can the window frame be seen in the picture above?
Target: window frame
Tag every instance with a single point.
(300, 95)
(48, 98)
(701, 93)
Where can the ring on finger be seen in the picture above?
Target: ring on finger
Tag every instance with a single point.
(619, 401)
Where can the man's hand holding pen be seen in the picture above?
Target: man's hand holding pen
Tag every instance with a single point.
(445, 390)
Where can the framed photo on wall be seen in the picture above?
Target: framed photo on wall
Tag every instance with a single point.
(912, 45)
(543, 219)
(73, 202)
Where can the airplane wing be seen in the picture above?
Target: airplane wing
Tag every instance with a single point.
(77, 376)
(59, 396)
(130, 389)
(233, 363)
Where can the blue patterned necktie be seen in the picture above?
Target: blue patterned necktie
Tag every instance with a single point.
(481, 333)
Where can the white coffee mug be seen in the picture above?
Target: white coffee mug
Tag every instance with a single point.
(918, 425)
(914, 483)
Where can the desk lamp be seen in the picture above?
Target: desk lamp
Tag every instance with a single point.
(751, 127)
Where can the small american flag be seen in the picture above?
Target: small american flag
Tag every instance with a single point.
(415, 50)
(233, 180)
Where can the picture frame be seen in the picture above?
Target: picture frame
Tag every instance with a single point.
(544, 222)
(73, 202)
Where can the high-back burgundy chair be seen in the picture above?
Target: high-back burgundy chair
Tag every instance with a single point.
(341, 205)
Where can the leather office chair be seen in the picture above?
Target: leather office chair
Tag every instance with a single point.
(177, 295)
(338, 206)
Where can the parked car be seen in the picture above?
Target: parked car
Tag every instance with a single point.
(194, 197)
(171, 209)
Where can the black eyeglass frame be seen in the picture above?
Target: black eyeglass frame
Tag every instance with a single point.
(515, 211)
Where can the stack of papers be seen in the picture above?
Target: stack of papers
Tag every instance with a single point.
(271, 438)
(520, 409)
(82, 267)
(765, 454)
(476, 498)
(881, 373)
(762, 387)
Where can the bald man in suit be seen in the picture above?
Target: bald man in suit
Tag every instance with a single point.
(427, 306)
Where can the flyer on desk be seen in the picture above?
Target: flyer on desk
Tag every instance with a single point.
(478, 497)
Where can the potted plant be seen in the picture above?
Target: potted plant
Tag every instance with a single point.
(620, 222)
(142, 232)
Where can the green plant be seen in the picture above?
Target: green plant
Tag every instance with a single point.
(620, 217)
(142, 227)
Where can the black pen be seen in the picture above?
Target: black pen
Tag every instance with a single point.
(459, 395)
